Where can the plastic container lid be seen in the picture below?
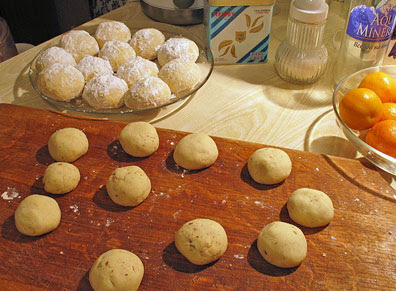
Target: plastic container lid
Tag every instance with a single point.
(309, 11)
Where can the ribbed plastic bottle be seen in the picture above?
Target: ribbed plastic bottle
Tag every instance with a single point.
(302, 57)
(367, 34)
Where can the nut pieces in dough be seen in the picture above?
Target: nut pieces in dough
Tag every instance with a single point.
(139, 139)
(195, 151)
(37, 215)
(201, 241)
(61, 178)
(67, 144)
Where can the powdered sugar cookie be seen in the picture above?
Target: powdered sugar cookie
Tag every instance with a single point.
(112, 30)
(117, 52)
(79, 43)
(177, 47)
(92, 67)
(54, 55)
(135, 69)
(146, 42)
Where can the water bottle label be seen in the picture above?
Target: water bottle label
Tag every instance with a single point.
(372, 23)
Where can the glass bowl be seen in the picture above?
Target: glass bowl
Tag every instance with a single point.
(356, 138)
(205, 62)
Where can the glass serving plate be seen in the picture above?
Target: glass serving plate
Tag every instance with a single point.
(356, 138)
(205, 62)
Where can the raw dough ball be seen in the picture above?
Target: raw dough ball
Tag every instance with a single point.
(117, 52)
(310, 208)
(116, 270)
(61, 82)
(146, 42)
(67, 144)
(177, 47)
(269, 166)
(139, 139)
(79, 43)
(54, 55)
(282, 244)
(147, 93)
(135, 69)
(61, 178)
(92, 67)
(195, 151)
(201, 241)
(128, 186)
(180, 75)
(37, 214)
(112, 30)
(105, 92)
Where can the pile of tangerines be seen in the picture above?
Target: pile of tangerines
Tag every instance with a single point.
(372, 107)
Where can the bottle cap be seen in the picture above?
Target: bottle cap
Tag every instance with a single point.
(309, 11)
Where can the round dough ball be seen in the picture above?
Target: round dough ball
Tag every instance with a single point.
(146, 42)
(128, 186)
(269, 166)
(105, 92)
(282, 244)
(54, 55)
(147, 93)
(139, 139)
(177, 47)
(112, 30)
(201, 241)
(117, 52)
(116, 270)
(180, 75)
(61, 178)
(310, 208)
(67, 144)
(79, 43)
(135, 69)
(61, 82)
(92, 67)
(195, 151)
(37, 215)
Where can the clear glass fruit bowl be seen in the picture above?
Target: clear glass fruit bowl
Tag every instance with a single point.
(204, 61)
(356, 138)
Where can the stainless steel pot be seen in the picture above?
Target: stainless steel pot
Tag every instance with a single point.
(179, 12)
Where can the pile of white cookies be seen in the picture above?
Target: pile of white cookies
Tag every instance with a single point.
(200, 240)
(113, 67)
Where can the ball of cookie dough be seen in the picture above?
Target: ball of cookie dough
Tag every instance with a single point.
(269, 166)
(54, 55)
(117, 52)
(146, 42)
(201, 241)
(195, 151)
(112, 30)
(139, 139)
(282, 244)
(180, 75)
(177, 47)
(105, 92)
(79, 43)
(116, 270)
(147, 93)
(67, 144)
(37, 215)
(92, 67)
(128, 186)
(61, 178)
(61, 82)
(135, 69)
(310, 207)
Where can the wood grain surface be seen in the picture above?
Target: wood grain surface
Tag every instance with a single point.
(356, 251)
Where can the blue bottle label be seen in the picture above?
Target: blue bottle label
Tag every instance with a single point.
(372, 23)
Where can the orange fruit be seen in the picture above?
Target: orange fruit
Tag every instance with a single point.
(382, 84)
(389, 111)
(382, 136)
(360, 108)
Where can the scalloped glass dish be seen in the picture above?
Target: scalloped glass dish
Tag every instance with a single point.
(205, 62)
(356, 138)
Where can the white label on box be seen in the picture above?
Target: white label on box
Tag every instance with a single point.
(239, 34)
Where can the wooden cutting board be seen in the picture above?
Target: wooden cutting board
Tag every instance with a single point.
(355, 252)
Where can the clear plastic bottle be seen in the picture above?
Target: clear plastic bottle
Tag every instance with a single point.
(302, 57)
(367, 34)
